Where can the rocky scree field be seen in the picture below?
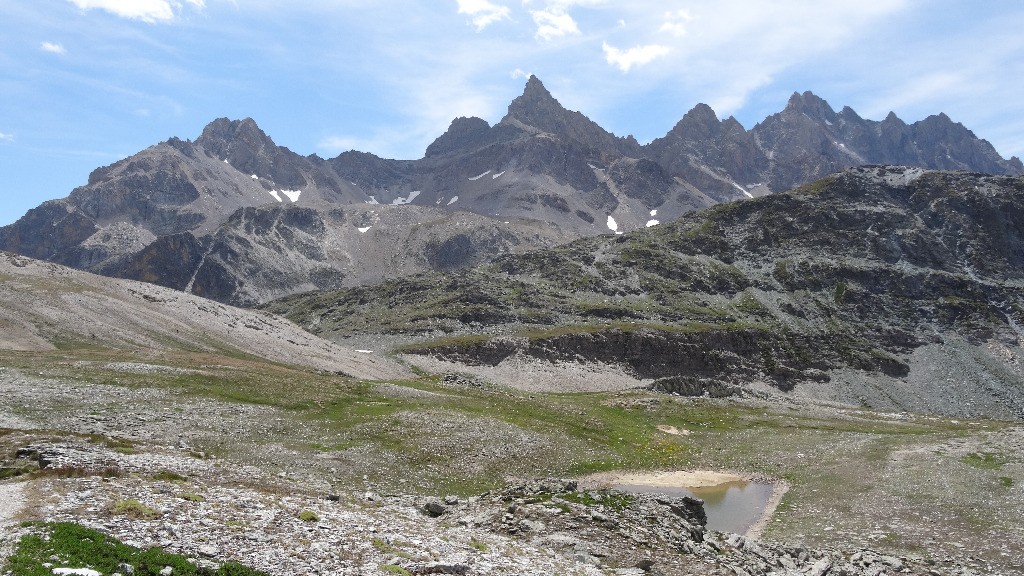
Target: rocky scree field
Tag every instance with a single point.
(292, 471)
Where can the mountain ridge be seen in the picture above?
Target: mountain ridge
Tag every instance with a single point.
(856, 288)
(548, 172)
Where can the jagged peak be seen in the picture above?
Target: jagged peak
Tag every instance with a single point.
(534, 100)
(535, 87)
(849, 113)
(892, 118)
(463, 131)
(538, 109)
(703, 111)
(224, 131)
(701, 119)
(810, 104)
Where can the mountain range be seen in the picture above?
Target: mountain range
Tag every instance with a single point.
(233, 217)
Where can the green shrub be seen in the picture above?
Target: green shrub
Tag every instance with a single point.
(74, 545)
(135, 509)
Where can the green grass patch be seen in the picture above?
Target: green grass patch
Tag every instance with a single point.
(169, 476)
(393, 549)
(74, 546)
(985, 460)
(135, 509)
(308, 516)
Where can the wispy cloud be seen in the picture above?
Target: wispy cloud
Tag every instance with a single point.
(4, 137)
(553, 23)
(483, 13)
(150, 11)
(52, 47)
(554, 20)
(636, 56)
(675, 22)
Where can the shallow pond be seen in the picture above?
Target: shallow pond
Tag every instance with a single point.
(731, 506)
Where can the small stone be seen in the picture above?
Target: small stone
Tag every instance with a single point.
(435, 508)
(209, 551)
(821, 567)
(646, 564)
(167, 571)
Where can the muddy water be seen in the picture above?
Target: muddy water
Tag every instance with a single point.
(731, 506)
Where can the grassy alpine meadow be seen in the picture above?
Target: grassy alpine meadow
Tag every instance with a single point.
(853, 475)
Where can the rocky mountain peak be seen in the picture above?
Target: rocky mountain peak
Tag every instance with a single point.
(223, 135)
(701, 121)
(462, 134)
(892, 118)
(811, 105)
(536, 107)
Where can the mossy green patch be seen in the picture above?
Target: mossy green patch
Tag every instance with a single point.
(75, 546)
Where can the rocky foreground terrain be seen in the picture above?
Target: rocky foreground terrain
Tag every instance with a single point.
(214, 510)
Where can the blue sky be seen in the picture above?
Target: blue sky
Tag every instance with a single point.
(84, 83)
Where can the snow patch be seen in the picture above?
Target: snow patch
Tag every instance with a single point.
(654, 212)
(412, 196)
(742, 189)
(76, 572)
(365, 351)
(226, 162)
(363, 231)
(274, 194)
(613, 225)
(652, 223)
(452, 201)
(372, 200)
(292, 195)
(474, 178)
(255, 177)
(498, 175)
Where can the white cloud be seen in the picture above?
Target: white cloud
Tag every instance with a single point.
(675, 22)
(483, 12)
(150, 11)
(553, 23)
(636, 56)
(52, 47)
(520, 73)
(6, 137)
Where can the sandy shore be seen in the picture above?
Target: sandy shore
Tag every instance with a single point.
(779, 489)
(692, 479)
(678, 479)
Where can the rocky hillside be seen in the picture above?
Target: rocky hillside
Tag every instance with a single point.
(234, 217)
(891, 287)
(46, 307)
